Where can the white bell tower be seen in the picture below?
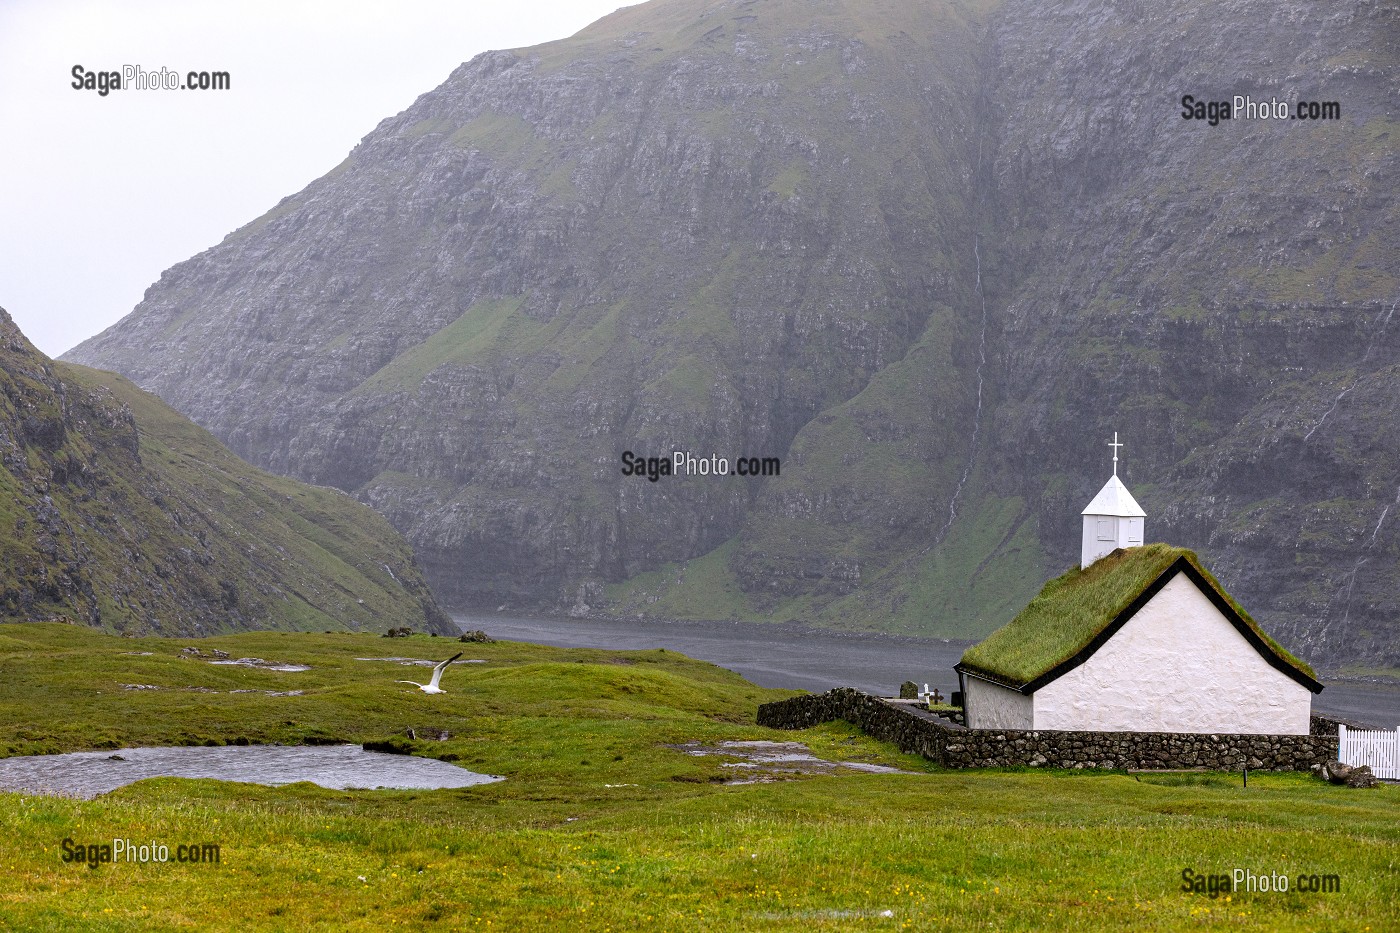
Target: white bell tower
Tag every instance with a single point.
(1113, 519)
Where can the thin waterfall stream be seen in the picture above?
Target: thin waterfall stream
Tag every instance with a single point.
(977, 414)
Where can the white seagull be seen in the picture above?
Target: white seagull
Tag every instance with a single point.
(432, 685)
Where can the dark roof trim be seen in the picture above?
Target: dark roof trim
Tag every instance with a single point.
(962, 668)
(1180, 565)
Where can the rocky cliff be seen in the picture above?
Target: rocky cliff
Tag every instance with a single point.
(928, 255)
(117, 512)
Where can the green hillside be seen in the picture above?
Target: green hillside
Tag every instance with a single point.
(120, 513)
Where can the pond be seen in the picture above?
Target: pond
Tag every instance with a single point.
(340, 767)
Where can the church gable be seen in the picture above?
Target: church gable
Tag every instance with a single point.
(1076, 613)
(1177, 665)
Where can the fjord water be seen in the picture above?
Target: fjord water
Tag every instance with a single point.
(87, 774)
(778, 656)
(767, 655)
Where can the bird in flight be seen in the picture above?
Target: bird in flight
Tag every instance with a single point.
(432, 685)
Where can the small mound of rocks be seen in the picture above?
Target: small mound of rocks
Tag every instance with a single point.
(213, 654)
(1350, 775)
(476, 637)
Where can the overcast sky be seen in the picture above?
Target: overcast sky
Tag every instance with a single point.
(99, 195)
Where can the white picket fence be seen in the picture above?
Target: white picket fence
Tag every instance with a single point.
(1377, 748)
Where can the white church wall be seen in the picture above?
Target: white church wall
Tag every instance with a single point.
(1177, 666)
(992, 707)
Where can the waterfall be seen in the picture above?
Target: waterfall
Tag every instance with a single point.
(1381, 333)
(1351, 585)
(977, 415)
(1335, 402)
(1370, 348)
(1372, 543)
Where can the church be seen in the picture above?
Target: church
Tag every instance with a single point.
(1137, 638)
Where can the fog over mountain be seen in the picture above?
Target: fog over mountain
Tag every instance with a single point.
(928, 255)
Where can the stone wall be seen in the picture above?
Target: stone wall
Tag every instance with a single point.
(1322, 724)
(918, 732)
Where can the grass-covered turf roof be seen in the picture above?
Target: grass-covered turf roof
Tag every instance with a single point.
(1078, 606)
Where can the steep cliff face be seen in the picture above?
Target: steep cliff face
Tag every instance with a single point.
(1220, 294)
(687, 228)
(117, 512)
(928, 255)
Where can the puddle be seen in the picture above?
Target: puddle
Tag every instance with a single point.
(217, 656)
(270, 693)
(826, 915)
(260, 664)
(340, 767)
(424, 663)
(762, 762)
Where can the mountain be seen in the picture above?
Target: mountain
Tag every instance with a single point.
(927, 255)
(117, 512)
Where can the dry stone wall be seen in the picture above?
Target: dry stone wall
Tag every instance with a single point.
(918, 732)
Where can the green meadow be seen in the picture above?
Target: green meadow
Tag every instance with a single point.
(600, 826)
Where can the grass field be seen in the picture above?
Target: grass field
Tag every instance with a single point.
(674, 848)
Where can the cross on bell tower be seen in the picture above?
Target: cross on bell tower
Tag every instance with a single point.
(1115, 445)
